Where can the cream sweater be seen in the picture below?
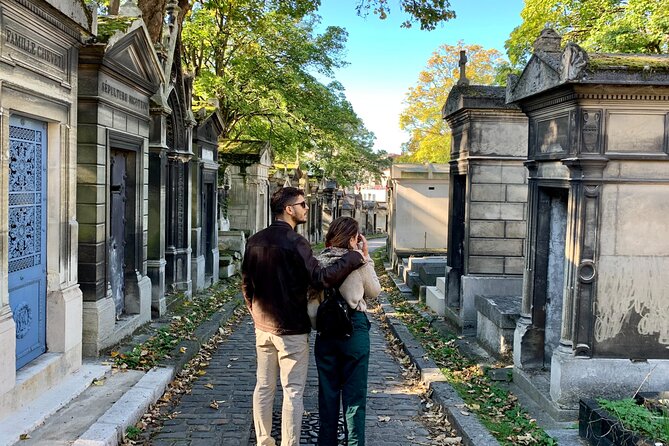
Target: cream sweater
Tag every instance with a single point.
(361, 284)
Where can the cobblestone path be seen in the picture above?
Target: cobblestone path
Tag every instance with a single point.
(393, 413)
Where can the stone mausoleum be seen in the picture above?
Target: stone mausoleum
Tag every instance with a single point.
(595, 292)
(418, 205)
(40, 298)
(117, 77)
(486, 226)
(246, 164)
(204, 171)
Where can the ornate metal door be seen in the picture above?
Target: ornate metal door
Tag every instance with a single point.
(27, 236)
(117, 239)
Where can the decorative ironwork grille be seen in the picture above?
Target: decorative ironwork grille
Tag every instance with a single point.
(25, 198)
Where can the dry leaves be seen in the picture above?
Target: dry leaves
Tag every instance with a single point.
(183, 383)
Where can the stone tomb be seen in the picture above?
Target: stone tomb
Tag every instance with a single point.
(247, 164)
(117, 78)
(171, 185)
(418, 205)
(595, 295)
(486, 227)
(40, 298)
(204, 232)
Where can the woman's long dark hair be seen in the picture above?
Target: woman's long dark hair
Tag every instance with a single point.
(340, 232)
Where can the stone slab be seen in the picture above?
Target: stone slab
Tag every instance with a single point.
(34, 414)
(503, 311)
(435, 300)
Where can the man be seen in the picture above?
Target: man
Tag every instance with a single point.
(277, 269)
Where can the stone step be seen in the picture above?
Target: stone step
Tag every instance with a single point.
(496, 322)
(435, 300)
(441, 285)
(33, 414)
(429, 272)
(535, 384)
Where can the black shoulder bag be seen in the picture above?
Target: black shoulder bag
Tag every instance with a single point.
(333, 319)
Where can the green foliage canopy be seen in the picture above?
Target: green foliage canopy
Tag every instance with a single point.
(430, 137)
(260, 63)
(603, 26)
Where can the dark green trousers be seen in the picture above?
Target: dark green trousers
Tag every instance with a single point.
(342, 377)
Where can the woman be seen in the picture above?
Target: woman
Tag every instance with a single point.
(343, 363)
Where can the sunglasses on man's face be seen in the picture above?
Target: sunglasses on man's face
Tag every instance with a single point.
(301, 203)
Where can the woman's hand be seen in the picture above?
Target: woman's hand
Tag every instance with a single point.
(362, 245)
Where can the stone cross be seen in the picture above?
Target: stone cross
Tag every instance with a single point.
(463, 64)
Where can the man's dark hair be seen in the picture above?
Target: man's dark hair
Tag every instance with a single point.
(282, 198)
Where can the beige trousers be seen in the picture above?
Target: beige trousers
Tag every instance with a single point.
(288, 358)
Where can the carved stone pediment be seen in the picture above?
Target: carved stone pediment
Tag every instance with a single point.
(541, 73)
(209, 126)
(131, 54)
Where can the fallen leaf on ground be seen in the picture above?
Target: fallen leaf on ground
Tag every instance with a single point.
(384, 418)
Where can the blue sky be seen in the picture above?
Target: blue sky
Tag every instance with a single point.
(384, 59)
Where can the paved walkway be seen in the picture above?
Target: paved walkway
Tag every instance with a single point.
(394, 404)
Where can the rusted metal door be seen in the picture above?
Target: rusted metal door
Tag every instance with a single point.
(27, 235)
(117, 233)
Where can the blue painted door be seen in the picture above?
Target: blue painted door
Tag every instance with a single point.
(27, 236)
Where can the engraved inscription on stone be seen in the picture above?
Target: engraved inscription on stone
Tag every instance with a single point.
(590, 131)
(553, 135)
(118, 94)
(34, 48)
(207, 154)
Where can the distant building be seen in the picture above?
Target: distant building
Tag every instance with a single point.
(418, 206)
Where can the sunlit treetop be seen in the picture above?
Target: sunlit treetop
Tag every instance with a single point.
(428, 13)
(599, 26)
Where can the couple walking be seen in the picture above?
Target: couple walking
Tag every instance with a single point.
(278, 272)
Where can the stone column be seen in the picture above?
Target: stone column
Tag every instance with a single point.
(178, 219)
(583, 242)
(157, 199)
(525, 339)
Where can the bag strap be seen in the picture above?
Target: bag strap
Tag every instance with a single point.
(331, 293)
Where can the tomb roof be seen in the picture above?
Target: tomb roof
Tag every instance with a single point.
(242, 152)
(475, 97)
(547, 70)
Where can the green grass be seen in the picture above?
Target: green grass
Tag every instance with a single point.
(187, 317)
(132, 432)
(637, 418)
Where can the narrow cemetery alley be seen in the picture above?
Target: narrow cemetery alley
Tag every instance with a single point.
(209, 400)
(213, 402)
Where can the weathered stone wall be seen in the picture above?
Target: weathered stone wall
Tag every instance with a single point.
(497, 217)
